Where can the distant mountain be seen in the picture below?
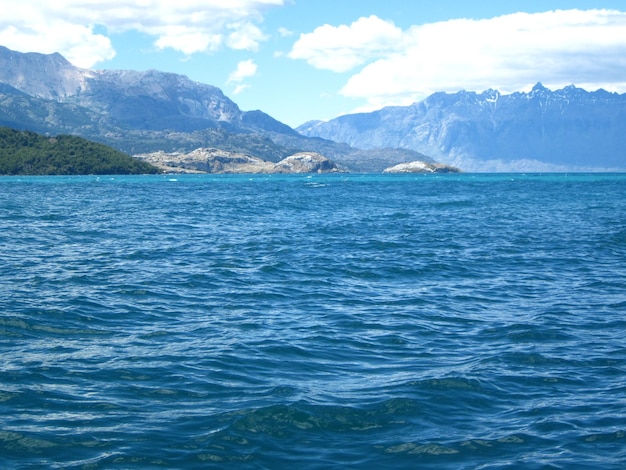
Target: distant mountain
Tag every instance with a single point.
(141, 112)
(543, 130)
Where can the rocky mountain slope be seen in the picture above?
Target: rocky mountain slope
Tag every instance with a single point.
(541, 130)
(149, 100)
(149, 111)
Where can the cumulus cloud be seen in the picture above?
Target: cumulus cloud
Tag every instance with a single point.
(245, 36)
(26, 26)
(189, 26)
(509, 53)
(245, 69)
(341, 48)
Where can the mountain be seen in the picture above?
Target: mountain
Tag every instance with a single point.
(142, 112)
(140, 101)
(543, 130)
(149, 100)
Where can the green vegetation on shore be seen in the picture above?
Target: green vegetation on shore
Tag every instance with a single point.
(28, 153)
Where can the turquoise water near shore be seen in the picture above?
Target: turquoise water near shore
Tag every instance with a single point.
(324, 321)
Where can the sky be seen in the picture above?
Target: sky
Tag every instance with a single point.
(300, 60)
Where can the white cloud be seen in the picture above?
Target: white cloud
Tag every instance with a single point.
(26, 27)
(239, 88)
(245, 69)
(187, 26)
(341, 48)
(187, 41)
(245, 36)
(509, 53)
(284, 32)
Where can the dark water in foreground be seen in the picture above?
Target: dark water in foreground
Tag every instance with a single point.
(455, 321)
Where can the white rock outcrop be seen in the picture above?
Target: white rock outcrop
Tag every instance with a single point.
(421, 167)
(211, 160)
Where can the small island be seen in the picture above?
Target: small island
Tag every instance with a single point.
(421, 167)
(29, 153)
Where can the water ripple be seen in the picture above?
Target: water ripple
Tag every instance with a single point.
(469, 321)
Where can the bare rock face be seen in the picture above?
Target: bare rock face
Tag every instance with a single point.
(211, 160)
(48, 76)
(306, 162)
(206, 160)
(421, 167)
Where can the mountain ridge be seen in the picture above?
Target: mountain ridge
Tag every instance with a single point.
(148, 111)
(570, 128)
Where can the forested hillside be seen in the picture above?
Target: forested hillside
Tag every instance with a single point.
(29, 153)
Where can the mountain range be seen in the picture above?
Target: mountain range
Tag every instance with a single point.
(152, 111)
(542, 130)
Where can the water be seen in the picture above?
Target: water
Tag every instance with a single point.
(453, 321)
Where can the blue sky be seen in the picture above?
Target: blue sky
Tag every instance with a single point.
(299, 60)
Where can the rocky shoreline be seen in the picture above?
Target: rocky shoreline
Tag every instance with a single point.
(212, 160)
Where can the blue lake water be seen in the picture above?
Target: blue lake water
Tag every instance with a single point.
(341, 321)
